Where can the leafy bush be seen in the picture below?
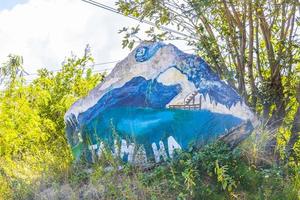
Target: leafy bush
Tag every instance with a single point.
(33, 147)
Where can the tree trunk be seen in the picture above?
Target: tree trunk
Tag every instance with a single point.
(295, 131)
(250, 60)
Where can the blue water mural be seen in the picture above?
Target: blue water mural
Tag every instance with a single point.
(198, 72)
(137, 92)
(148, 125)
(139, 111)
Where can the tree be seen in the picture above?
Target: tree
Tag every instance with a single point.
(253, 44)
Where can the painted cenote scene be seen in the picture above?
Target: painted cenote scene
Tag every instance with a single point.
(150, 100)
(156, 100)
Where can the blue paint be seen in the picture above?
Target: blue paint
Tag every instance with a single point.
(146, 121)
(144, 53)
(137, 110)
(147, 125)
(138, 92)
(199, 72)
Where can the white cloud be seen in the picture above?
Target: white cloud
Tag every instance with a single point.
(45, 31)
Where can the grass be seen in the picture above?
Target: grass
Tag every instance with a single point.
(212, 172)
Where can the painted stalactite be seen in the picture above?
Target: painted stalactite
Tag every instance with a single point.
(155, 101)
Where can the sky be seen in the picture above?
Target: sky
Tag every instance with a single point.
(9, 4)
(44, 32)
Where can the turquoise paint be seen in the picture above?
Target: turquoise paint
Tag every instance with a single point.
(138, 112)
(137, 92)
(147, 125)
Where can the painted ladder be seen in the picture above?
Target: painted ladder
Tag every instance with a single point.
(187, 102)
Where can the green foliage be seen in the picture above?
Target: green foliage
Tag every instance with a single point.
(216, 172)
(34, 151)
(255, 46)
(212, 172)
(33, 146)
(252, 44)
(222, 176)
(12, 70)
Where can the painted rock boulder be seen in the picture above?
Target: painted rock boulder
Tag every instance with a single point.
(156, 100)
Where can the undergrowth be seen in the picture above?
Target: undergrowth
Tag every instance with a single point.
(212, 172)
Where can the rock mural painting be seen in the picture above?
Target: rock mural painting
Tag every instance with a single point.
(155, 101)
